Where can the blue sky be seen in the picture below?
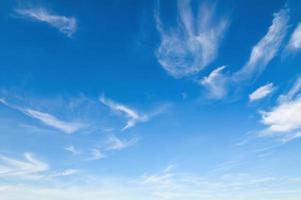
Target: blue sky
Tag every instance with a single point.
(152, 100)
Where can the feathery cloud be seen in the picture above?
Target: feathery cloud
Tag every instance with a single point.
(215, 83)
(28, 168)
(261, 92)
(47, 119)
(73, 150)
(294, 43)
(193, 44)
(132, 115)
(66, 25)
(67, 172)
(266, 49)
(52, 121)
(115, 143)
(95, 154)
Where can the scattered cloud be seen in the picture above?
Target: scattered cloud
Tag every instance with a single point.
(115, 143)
(284, 118)
(294, 43)
(48, 119)
(266, 49)
(261, 92)
(194, 43)
(66, 25)
(215, 83)
(28, 168)
(262, 53)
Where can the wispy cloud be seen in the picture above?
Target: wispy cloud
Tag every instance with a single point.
(48, 119)
(294, 43)
(67, 172)
(66, 25)
(215, 83)
(285, 117)
(28, 168)
(194, 42)
(95, 154)
(115, 143)
(52, 121)
(261, 92)
(261, 55)
(266, 49)
(73, 150)
(131, 114)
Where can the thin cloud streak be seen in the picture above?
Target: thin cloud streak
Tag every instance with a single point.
(261, 92)
(294, 43)
(261, 55)
(47, 119)
(195, 42)
(266, 49)
(133, 116)
(28, 168)
(115, 143)
(66, 25)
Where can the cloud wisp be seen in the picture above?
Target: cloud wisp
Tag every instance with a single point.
(28, 168)
(48, 119)
(261, 92)
(215, 83)
(261, 55)
(66, 25)
(294, 43)
(133, 116)
(95, 154)
(115, 143)
(266, 49)
(72, 150)
(193, 43)
(284, 119)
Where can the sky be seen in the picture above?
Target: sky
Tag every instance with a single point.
(150, 100)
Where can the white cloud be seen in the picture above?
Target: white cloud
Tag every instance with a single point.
(115, 143)
(267, 48)
(67, 172)
(52, 121)
(28, 168)
(132, 115)
(293, 92)
(48, 119)
(193, 44)
(73, 150)
(66, 25)
(215, 83)
(285, 118)
(95, 154)
(261, 92)
(294, 43)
